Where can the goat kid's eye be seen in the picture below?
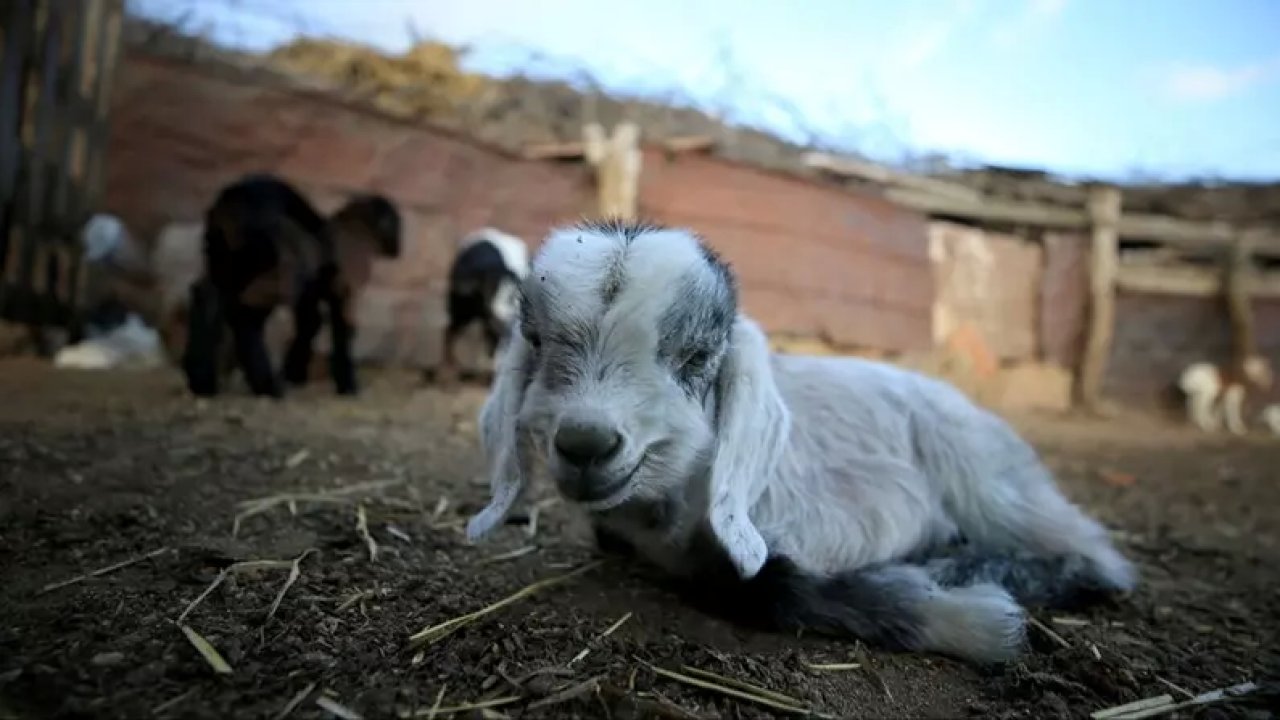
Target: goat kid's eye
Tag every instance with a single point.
(696, 360)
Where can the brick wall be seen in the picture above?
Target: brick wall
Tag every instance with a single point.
(990, 281)
(1064, 298)
(1157, 336)
(179, 131)
(813, 261)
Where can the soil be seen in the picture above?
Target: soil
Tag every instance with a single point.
(96, 469)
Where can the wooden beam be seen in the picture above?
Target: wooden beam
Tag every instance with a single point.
(1183, 233)
(617, 162)
(577, 149)
(992, 210)
(1244, 340)
(871, 172)
(1104, 212)
(1172, 231)
(689, 143)
(1190, 281)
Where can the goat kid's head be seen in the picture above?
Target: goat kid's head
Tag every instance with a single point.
(632, 374)
(380, 219)
(1257, 369)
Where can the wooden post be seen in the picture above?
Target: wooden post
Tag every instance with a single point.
(1243, 336)
(616, 161)
(1104, 215)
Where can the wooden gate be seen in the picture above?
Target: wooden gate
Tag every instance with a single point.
(57, 59)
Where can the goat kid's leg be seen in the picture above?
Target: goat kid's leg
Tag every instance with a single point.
(1200, 408)
(202, 354)
(247, 326)
(306, 326)
(1014, 514)
(342, 329)
(1232, 410)
(447, 375)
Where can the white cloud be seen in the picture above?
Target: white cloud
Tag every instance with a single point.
(1209, 83)
(926, 42)
(1035, 15)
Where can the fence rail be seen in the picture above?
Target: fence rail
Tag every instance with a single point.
(57, 61)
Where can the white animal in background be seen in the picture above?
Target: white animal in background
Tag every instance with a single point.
(1216, 393)
(131, 344)
(116, 334)
(840, 495)
(1271, 418)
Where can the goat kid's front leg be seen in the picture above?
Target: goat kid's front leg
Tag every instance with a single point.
(203, 350)
(247, 328)
(1200, 409)
(306, 326)
(1233, 410)
(341, 365)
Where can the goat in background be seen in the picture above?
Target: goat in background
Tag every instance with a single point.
(841, 495)
(266, 246)
(118, 300)
(1207, 387)
(484, 288)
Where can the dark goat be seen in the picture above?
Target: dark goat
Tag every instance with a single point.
(484, 287)
(266, 246)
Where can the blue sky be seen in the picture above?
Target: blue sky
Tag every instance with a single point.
(1108, 88)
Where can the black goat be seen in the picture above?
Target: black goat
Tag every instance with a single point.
(266, 246)
(483, 287)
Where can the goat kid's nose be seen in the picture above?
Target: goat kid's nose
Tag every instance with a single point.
(583, 442)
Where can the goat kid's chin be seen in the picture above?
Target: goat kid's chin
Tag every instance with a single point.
(595, 488)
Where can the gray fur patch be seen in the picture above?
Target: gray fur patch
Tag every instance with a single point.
(1060, 581)
(879, 604)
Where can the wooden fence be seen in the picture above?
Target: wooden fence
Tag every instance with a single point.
(1097, 211)
(57, 60)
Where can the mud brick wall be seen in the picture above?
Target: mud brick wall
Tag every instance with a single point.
(1157, 336)
(180, 130)
(813, 260)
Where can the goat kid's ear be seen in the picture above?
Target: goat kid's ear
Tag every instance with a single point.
(752, 426)
(506, 450)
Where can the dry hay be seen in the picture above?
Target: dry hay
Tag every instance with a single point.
(425, 82)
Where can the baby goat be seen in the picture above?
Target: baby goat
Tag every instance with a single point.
(484, 287)
(840, 495)
(265, 246)
(1205, 385)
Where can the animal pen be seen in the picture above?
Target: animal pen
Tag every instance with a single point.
(59, 59)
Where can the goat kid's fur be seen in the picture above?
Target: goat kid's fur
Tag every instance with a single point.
(840, 495)
(1215, 394)
(266, 246)
(484, 288)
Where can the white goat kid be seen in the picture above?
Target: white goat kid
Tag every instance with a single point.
(1206, 386)
(841, 495)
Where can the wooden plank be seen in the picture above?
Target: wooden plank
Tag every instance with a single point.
(577, 149)
(1172, 231)
(1191, 281)
(19, 22)
(1183, 233)
(872, 172)
(991, 210)
(83, 21)
(107, 60)
(38, 178)
(1104, 211)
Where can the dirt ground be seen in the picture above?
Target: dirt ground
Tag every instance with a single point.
(99, 469)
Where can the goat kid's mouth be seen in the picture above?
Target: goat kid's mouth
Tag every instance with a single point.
(597, 493)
